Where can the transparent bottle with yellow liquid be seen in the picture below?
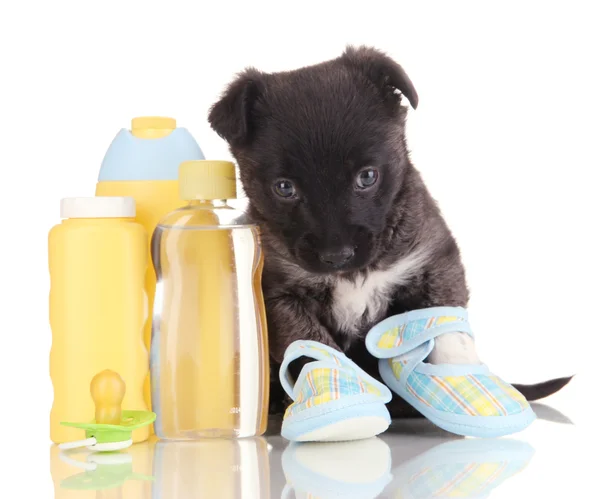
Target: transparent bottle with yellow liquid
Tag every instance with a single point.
(98, 308)
(209, 352)
(143, 163)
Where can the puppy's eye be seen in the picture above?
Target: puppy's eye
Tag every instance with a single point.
(285, 189)
(367, 178)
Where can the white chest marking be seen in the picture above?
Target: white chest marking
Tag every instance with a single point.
(371, 295)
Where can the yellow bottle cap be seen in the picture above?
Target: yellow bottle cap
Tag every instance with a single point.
(206, 179)
(152, 127)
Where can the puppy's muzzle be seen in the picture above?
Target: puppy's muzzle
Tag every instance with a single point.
(337, 257)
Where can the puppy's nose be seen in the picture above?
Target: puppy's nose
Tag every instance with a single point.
(337, 257)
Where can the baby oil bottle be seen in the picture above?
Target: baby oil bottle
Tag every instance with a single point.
(209, 353)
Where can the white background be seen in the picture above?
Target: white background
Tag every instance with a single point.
(506, 135)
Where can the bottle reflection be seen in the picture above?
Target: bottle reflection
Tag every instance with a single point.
(227, 469)
(113, 475)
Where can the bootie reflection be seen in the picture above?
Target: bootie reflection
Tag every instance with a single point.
(358, 469)
(224, 469)
(467, 468)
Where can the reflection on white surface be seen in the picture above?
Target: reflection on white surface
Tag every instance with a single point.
(468, 468)
(81, 474)
(359, 469)
(225, 469)
(413, 459)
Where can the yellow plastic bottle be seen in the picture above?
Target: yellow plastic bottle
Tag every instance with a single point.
(143, 163)
(98, 307)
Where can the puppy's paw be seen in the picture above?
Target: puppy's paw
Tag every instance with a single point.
(454, 348)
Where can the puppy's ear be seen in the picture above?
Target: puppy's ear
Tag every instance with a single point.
(232, 116)
(384, 72)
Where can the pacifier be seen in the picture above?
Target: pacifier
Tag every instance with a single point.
(112, 427)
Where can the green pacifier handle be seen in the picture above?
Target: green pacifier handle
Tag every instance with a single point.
(98, 434)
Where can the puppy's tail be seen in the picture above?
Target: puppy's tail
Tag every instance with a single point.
(544, 389)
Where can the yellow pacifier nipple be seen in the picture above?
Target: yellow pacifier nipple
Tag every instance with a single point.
(108, 390)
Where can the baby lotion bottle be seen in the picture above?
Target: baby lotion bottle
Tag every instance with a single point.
(143, 163)
(209, 352)
(98, 308)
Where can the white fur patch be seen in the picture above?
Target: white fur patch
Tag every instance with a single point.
(370, 294)
(454, 348)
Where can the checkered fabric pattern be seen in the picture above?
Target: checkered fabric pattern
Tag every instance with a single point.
(322, 353)
(470, 395)
(406, 332)
(461, 479)
(324, 384)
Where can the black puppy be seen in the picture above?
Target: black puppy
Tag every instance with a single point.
(350, 232)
